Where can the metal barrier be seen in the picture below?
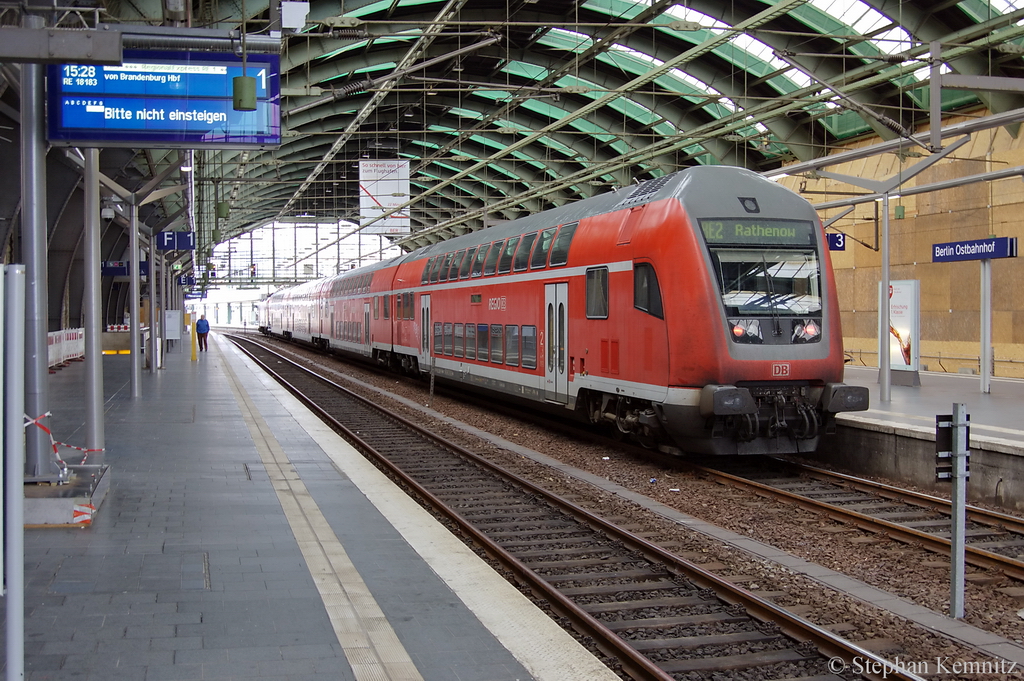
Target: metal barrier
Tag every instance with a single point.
(64, 345)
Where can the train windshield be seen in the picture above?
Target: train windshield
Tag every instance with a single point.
(768, 282)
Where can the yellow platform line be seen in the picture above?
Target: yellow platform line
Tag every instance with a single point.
(370, 644)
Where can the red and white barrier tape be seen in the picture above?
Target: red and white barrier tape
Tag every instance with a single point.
(38, 421)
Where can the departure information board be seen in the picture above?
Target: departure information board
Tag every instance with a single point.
(164, 99)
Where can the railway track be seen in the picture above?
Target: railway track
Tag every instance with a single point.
(658, 615)
(994, 540)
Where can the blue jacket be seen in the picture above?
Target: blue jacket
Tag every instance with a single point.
(203, 326)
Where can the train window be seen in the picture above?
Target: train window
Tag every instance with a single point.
(367, 278)
(436, 268)
(425, 277)
(470, 341)
(438, 338)
(597, 293)
(497, 347)
(540, 251)
(492, 258)
(646, 294)
(376, 307)
(560, 249)
(529, 347)
(445, 264)
(467, 263)
(505, 264)
(410, 306)
(478, 264)
(399, 298)
(448, 338)
(512, 345)
(482, 336)
(453, 273)
(523, 254)
(459, 340)
(387, 306)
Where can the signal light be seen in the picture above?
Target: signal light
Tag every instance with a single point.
(806, 331)
(746, 331)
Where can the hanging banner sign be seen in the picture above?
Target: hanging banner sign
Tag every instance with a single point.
(383, 186)
(164, 100)
(979, 249)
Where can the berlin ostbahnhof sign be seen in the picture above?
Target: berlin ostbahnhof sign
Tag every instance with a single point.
(164, 99)
(979, 249)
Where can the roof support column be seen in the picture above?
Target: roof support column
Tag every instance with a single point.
(38, 452)
(94, 432)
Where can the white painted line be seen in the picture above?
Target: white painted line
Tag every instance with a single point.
(533, 638)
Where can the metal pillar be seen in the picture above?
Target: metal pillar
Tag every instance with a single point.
(986, 326)
(94, 435)
(34, 245)
(134, 298)
(152, 281)
(884, 362)
(14, 474)
(164, 307)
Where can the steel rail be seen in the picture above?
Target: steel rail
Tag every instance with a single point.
(636, 663)
(976, 514)
(975, 556)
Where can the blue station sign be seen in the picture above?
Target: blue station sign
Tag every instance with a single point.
(176, 241)
(836, 241)
(979, 249)
(164, 99)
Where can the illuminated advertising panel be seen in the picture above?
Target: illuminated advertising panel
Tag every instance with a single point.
(164, 100)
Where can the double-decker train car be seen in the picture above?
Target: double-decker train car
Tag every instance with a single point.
(696, 312)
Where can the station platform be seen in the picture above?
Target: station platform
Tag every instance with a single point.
(243, 539)
(896, 439)
(997, 414)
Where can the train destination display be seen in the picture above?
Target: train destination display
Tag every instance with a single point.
(760, 231)
(164, 99)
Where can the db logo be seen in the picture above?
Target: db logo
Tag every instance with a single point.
(780, 369)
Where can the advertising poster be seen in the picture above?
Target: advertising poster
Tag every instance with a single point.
(904, 325)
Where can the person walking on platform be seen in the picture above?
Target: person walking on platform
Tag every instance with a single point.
(202, 331)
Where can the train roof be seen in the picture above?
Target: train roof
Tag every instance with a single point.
(674, 184)
(627, 197)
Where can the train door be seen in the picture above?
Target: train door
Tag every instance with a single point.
(425, 330)
(556, 317)
(366, 324)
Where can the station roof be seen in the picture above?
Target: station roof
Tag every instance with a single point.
(505, 108)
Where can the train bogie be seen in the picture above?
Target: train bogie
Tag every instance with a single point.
(696, 312)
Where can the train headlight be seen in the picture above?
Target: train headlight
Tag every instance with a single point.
(806, 331)
(746, 330)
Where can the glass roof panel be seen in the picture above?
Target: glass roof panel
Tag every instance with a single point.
(524, 70)
(366, 69)
(619, 9)
(561, 39)
(383, 6)
(359, 45)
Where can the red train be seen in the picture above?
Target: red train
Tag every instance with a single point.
(695, 312)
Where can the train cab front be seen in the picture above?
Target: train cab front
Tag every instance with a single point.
(781, 358)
